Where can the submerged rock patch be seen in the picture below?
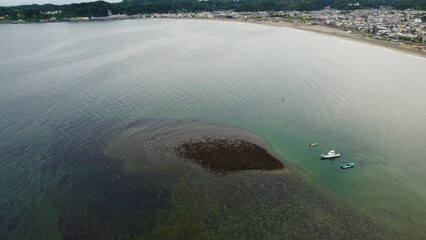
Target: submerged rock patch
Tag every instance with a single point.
(227, 155)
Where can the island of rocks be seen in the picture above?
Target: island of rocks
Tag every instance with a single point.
(227, 155)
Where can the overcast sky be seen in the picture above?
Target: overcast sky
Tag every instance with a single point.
(57, 2)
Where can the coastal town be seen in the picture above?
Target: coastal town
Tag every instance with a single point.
(401, 27)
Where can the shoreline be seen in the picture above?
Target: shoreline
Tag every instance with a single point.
(340, 33)
(321, 29)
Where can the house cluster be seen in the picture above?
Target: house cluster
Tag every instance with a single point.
(384, 23)
(52, 12)
(403, 26)
(381, 24)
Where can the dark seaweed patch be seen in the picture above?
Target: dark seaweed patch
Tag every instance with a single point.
(93, 196)
(228, 155)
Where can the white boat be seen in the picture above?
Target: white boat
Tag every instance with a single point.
(330, 154)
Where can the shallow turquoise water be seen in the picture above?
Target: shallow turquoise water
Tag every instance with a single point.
(367, 102)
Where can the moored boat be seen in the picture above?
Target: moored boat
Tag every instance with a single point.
(347, 165)
(330, 154)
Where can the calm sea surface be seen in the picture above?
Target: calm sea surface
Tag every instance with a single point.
(64, 82)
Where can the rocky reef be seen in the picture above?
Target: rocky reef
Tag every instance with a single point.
(227, 155)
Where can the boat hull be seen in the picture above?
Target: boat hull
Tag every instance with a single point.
(349, 165)
(334, 156)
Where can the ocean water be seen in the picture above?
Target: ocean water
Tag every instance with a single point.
(69, 88)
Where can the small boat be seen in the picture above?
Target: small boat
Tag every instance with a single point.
(313, 144)
(330, 154)
(347, 165)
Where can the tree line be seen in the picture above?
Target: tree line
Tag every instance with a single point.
(130, 7)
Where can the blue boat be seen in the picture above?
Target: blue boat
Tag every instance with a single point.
(347, 165)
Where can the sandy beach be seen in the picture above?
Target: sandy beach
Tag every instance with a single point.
(409, 49)
(412, 48)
